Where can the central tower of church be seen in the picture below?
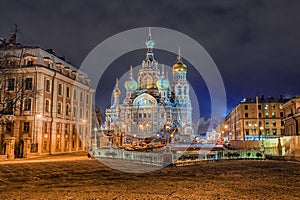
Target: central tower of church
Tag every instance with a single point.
(153, 107)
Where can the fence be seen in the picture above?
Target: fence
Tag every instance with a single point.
(166, 157)
(159, 158)
(193, 158)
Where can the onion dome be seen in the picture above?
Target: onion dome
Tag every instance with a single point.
(117, 91)
(163, 83)
(179, 66)
(130, 84)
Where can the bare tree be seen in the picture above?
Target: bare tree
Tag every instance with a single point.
(16, 91)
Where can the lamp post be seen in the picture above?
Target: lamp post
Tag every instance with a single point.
(261, 132)
(253, 125)
(95, 139)
(225, 131)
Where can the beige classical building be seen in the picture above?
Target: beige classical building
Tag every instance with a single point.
(46, 103)
(291, 110)
(254, 119)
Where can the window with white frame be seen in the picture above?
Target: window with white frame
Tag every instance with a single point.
(74, 111)
(47, 105)
(59, 89)
(75, 94)
(81, 112)
(28, 83)
(67, 109)
(81, 96)
(68, 92)
(27, 104)
(48, 87)
(59, 108)
(10, 84)
(26, 127)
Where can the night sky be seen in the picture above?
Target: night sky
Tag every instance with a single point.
(255, 44)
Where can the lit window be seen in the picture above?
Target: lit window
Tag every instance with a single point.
(58, 128)
(274, 123)
(66, 129)
(28, 84)
(267, 114)
(266, 107)
(274, 131)
(26, 127)
(273, 114)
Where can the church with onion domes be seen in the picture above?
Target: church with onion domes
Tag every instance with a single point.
(153, 107)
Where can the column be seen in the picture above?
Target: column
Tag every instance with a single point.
(26, 147)
(10, 147)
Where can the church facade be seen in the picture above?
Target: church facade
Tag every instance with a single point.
(153, 106)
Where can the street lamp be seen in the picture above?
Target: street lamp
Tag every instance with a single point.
(253, 125)
(261, 131)
(95, 139)
(225, 131)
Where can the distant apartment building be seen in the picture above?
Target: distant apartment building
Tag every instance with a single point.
(254, 119)
(46, 103)
(291, 110)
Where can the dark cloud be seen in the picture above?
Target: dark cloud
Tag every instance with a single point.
(255, 44)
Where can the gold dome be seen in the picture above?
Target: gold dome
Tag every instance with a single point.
(179, 66)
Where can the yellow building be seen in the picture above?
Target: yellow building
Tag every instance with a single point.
(291, 110)
(45, 102)
(254, 118)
